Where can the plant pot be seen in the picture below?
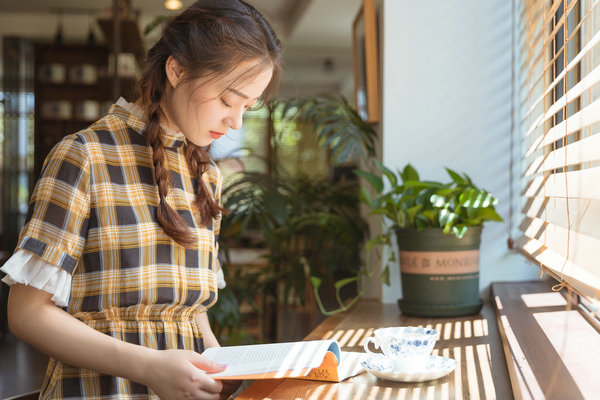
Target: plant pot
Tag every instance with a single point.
(439, 272)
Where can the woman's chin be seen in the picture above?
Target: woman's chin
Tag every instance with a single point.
(202, 142)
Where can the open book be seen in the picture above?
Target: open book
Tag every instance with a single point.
(316, 359)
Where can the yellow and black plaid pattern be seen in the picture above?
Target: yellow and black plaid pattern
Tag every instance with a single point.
(93, 214)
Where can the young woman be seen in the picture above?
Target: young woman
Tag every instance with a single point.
(116, 265)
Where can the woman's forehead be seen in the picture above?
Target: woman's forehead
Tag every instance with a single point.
(247, 81)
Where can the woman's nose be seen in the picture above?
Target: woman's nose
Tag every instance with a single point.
(236, 118)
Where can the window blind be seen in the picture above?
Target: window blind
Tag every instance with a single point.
(559, 52)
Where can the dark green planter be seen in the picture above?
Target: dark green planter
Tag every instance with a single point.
(439, 272)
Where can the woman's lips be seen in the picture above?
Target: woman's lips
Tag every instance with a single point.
(216, 135)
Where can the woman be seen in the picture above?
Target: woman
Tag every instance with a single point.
(123, 224)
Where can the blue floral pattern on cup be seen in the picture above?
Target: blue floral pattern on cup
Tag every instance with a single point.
(404, 341)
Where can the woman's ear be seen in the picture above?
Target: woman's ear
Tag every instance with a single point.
(174, 71)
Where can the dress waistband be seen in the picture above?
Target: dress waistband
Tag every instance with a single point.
(141, 312)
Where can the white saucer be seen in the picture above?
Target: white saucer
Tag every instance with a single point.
(436, 367)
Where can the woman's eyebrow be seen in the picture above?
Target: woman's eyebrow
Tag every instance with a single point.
(237, 92)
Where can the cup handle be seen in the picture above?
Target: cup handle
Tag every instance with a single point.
(366, 344)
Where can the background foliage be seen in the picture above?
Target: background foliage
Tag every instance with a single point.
(310, 225)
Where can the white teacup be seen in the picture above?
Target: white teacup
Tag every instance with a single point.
(407, 347)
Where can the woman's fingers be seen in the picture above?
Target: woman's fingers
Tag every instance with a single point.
(206, 364)
(181, 374)
(209, 385)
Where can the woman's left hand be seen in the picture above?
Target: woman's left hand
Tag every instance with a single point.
(229, 388)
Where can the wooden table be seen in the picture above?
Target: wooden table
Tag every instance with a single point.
(473, 341)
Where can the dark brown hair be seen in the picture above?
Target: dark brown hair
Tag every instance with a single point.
(208, 39)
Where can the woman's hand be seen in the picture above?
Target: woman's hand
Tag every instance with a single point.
(181, 374)
(209, 339)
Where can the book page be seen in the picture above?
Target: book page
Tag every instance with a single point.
(350, 364)
(274, 357)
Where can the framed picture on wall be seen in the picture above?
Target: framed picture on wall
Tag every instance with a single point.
(366, 65)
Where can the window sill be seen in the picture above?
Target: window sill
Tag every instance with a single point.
(551, 349)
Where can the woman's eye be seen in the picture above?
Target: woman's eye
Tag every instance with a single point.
(254, 107)
(224, 102)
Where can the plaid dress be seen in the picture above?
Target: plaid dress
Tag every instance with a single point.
(93, 214)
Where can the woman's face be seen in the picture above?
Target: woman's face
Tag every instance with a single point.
(205, 109)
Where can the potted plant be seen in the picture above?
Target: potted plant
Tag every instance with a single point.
(437, 225)
(438, 230)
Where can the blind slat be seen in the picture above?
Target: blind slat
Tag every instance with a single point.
(583, 215)
(593, 41)
(581, 151)
(549, 12)
(537, 56)
(582, 250)
(581, 119)
(532, 32)
(582, 184)
(586, 283)
(586, 83)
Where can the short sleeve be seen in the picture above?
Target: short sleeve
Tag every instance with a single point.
(29, 269)
(56, 225)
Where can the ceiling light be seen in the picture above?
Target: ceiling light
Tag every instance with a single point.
(173, 4)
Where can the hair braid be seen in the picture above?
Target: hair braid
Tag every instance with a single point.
(152, 87)
(205, 202)
(173, 224)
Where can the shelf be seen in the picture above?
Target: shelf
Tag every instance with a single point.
(131, 39)
(101, 82)
(48, 131)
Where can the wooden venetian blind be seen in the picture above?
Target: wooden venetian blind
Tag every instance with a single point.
(560, 139)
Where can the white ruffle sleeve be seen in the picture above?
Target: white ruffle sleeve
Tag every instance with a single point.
(220, 275)
(28, 269)
(221, 279)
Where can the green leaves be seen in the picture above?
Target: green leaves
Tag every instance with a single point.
(389, 174)
(375, 181)
(438, 201)
(337, 126)
(343, 282)
(409, 174)
(316, 281)
(311, 227)
(377, 240)
(459, 230)
(411, 213)
(475, 198)
(455, 177)
(409, 202)
(385, 275)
